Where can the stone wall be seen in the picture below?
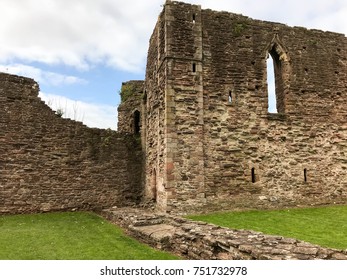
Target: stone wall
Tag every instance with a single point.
(210, 139)
(202, 241)
(130, 109)
(297, 156)
(157, 141)
(49, 163)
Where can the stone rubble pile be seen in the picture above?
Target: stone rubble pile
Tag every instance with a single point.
(203, 241)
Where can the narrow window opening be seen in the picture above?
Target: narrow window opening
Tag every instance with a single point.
(275, 79)
(271, 87)
(230, 97)
(194, 18)
(137, 122)
(144, 98)
(253, 175)
(305, 175)
(194, 67)
(154, 185)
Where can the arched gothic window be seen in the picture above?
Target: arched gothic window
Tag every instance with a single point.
(278, 73)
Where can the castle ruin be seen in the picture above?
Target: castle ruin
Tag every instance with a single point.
(196, 135)
(210, 142)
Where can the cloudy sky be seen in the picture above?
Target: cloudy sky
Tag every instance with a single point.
(80, 51)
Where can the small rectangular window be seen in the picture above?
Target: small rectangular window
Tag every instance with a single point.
(305, 175)
(194, 18)
(253, 175)
(194, 67)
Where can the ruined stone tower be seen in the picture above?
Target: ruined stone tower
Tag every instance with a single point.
(209, 140)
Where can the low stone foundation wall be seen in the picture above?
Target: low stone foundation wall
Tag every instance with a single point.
(202, 241)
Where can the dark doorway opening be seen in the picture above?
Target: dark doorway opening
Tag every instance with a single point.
(137, 122)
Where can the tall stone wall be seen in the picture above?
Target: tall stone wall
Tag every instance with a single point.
(48, 163)
(297, 156)
(207, 91)
(157, 131)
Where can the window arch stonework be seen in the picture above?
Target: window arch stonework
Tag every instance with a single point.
(282, 71)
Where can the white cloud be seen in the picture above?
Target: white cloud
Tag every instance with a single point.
(87, 33)
(328, 15)
(77, 33)
(43, 77)
(93, 115)
(82, 33)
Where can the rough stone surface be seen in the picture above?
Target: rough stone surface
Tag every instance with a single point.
(209, 140)
(131, 97)
(202, 241)
(49, 163)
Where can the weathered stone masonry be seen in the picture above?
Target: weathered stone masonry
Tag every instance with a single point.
(201, 115)
(202, 241)
(48, 163)
(209, 140)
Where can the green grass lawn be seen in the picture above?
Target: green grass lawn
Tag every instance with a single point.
(325, 226)
(69, 236)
